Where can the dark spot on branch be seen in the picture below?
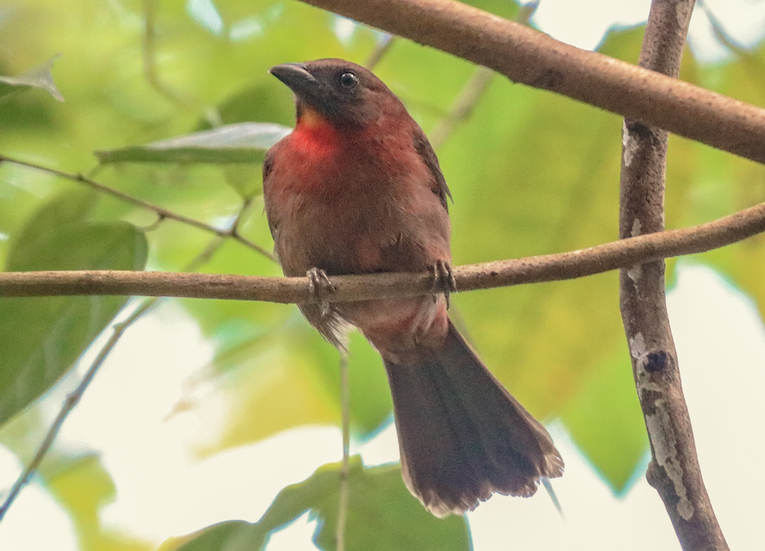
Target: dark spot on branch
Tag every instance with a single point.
(657, 361)
(641, 131)
(550, 79)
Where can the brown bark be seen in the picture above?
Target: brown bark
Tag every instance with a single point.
(533, 58)
(674, 469)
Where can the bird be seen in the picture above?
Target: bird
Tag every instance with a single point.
(356, 188)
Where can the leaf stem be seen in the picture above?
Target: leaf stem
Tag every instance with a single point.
(343, 496)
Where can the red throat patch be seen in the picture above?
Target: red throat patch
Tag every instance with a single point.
(314, 133)
(311, 117)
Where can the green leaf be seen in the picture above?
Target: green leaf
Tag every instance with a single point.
(382, 515)
(45, 225)
(37, 77)
(216, 537)
(264, 379)
(41, 338)
(606, 421)
(726, 184)
(83, 487)
(245, 142)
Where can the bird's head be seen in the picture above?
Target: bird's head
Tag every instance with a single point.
(338, 92)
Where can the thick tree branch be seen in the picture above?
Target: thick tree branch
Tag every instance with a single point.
(674, 470)
(530, 57)
(535, 269)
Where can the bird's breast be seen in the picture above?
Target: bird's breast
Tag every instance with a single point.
(350, 207)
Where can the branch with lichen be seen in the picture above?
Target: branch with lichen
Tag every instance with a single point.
(674, 469)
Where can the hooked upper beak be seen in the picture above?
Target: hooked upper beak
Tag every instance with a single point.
(295, 75)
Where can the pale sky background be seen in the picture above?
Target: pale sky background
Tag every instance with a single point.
(720, 341)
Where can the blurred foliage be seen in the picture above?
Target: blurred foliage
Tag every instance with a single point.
(42, 337)
(82, 484)
(381, 516)
(531, 173)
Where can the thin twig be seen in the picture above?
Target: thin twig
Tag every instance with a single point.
(149, 59)
(473, 90)
(533, 58)
(74, 397)
(344, 490)
(71, 401)
(720, 33)
(503, 273)
(162, 213)
(382, 47)
(463, 106)
(674, 469)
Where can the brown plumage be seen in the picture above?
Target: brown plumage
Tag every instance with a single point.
(356, 188)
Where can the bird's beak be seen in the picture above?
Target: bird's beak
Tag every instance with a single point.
(296, 76)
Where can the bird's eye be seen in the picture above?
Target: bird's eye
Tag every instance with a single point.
(349, 80)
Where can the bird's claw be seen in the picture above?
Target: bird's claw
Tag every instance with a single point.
(319, 286)
(443, 279)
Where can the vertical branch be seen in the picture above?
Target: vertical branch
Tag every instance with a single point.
(674, 469)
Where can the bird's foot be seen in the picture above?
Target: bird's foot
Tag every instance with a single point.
(320, 286)
(443, 279)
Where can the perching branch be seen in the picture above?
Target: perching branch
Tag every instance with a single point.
(674, 469)
(533, 58)
(535, 269)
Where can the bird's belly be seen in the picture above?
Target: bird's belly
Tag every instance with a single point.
(349, 246)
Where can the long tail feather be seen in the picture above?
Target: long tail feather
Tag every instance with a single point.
(462, 435)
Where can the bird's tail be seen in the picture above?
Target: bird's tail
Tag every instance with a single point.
(462, 435)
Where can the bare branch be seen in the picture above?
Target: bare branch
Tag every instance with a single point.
(162, 213)
(74, 397)
(674, 470)
(535, 59)
(535, 269)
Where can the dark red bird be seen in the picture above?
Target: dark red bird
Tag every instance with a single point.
(355, 189)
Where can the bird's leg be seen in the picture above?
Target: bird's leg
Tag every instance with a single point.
(443, 279)
(319, 286)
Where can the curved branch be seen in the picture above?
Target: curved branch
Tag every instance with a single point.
(530, 57)
(162, 213)
(554, 267)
